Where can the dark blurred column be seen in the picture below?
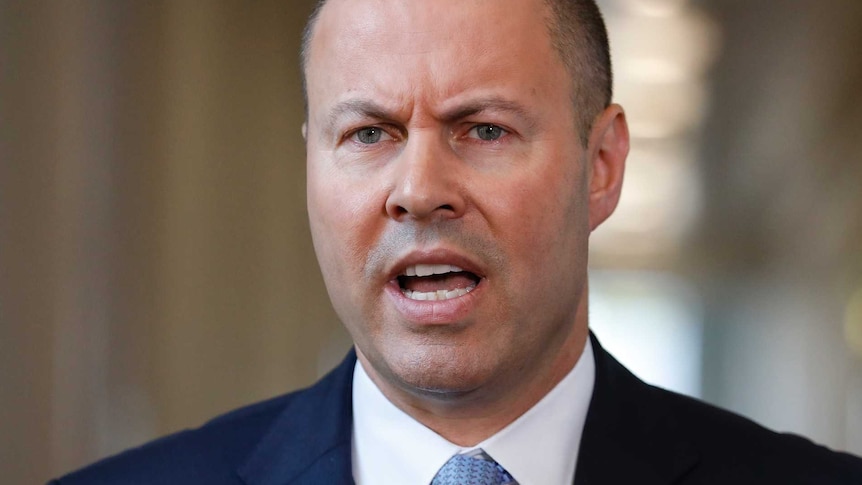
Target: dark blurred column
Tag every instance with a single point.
(781, 240)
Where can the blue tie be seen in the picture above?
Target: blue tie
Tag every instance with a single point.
(472, 468)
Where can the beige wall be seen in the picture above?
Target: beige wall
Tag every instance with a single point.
(156, 263)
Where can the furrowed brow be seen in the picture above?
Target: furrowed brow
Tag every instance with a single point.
(356, 108)
(492, 104)
(368, 109)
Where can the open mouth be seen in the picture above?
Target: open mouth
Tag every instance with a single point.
(436, 282)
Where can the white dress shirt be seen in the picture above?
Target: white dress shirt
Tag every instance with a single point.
(538, 448)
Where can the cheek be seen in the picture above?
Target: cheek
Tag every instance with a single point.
(343, 222)
(542, 220)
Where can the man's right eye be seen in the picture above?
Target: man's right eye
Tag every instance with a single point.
(370, 135)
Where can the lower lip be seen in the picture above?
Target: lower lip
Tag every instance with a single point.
(433, 312)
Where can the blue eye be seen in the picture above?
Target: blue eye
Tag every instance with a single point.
(370, 135)
(488, 132)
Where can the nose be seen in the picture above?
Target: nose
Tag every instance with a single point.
(426, 182)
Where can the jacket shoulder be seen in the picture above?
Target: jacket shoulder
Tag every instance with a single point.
(208, 454)
(731, 445)
(663, 437)
(215, 452)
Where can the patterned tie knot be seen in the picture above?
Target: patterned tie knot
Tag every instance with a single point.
(473, 468)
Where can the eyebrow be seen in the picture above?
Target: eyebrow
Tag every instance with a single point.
(491, 103)
(359, 108)
(363, 108)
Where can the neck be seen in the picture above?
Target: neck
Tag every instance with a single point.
(469, 418)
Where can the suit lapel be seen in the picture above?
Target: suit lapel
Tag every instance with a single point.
(310, 442)
(629, 437)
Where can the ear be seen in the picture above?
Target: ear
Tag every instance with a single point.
(608, 149)
(305, 130)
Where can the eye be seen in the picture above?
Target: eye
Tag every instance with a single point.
(370, 135)
(487, 132)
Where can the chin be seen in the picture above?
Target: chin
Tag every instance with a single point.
(442, 372)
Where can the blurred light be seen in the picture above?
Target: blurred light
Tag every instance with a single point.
(689, 41)
(653, 8)
(661, 51)
(660, 203)
(660, 62)
(662, 111)
(653, 70)
(651, 322)
(853, 322)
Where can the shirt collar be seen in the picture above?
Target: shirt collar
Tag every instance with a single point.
(539, 448)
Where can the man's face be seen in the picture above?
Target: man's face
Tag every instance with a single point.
(441, 139)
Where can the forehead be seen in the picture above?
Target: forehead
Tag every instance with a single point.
(398, 49)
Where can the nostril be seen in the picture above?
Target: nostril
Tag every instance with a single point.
(401, 211)
(434, 202)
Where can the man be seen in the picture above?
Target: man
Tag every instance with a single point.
(460, 152)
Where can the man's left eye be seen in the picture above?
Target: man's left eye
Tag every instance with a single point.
(371, 135)
(487, 132)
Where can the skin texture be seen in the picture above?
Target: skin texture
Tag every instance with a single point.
(423, 80)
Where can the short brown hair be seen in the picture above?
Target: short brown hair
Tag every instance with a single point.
(578, 34)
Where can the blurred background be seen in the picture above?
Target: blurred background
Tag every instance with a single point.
(156, 267)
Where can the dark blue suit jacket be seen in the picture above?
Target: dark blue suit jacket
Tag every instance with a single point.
(634, 434)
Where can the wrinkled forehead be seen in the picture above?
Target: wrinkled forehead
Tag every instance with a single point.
(415, 20)
(446, 43)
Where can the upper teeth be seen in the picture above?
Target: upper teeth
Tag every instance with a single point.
(431, 269)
